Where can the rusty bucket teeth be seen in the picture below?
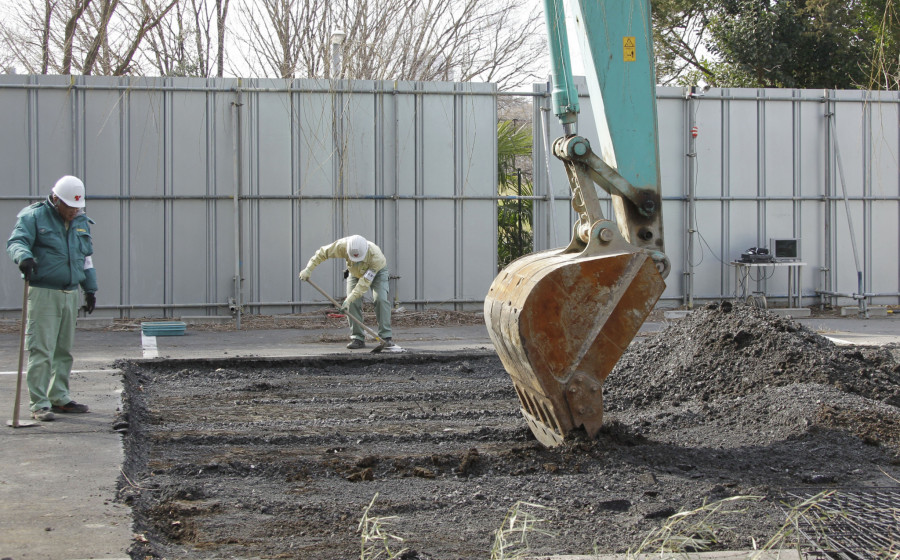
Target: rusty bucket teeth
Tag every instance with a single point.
(560, 322)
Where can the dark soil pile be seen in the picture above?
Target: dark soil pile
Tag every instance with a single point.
(255, 458)
(740, 363)
(724, 351)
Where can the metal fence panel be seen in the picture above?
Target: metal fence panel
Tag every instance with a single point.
(412, 166)
(765, 164)
(164, 160)
(15, 160)
(477, 247)
(674, 168)
(883, 122)
(52, 129)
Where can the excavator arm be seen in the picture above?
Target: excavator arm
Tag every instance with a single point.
(561, 319)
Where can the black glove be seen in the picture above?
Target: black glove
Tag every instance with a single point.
(346, 273)
(28, 268)
(90, 300)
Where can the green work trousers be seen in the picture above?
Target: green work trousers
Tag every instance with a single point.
(380, 286)
(48, 338)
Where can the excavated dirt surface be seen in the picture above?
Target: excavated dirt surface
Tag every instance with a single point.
(275, 458)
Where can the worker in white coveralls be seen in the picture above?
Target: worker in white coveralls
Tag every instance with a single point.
(366, 267)
(52, 246)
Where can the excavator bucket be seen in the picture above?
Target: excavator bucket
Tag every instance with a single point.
(560, 321)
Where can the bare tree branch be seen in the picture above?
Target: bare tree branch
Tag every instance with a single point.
(189, 39)
(489, 40)
(106, 12)
(222, 15)
(71, 25)
(149, 19)
(45, 37)
(201, 36)
(499, 41)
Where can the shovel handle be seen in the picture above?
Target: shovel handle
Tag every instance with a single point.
(349, 316)
(15, 418)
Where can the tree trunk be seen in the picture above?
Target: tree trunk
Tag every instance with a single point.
(222, 12)
(71, 25)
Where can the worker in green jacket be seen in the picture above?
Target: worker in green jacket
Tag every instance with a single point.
(52, 246)
(366, 267)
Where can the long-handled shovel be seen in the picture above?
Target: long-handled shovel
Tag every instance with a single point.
(383, 344)
(15, 419)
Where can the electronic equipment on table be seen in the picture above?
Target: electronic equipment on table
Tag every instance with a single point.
(785, 250)
(779, 250)
(756, 255)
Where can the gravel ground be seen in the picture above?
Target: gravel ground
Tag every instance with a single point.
(273, 458)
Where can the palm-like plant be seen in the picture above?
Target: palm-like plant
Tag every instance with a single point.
(515, 235)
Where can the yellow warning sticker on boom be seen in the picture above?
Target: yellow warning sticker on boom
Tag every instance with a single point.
(628, 50)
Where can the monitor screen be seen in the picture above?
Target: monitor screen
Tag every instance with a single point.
(785, 249)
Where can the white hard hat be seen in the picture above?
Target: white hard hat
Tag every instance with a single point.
(70, 190)
(357, 247)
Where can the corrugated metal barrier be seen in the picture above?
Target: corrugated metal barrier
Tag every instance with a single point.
(210, 194)
(743, 166)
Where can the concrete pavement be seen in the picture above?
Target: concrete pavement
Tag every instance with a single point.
(58, 479)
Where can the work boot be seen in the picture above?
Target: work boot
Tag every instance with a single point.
(43, 414)
(70, 407)
(388, 342)
(356, 344)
